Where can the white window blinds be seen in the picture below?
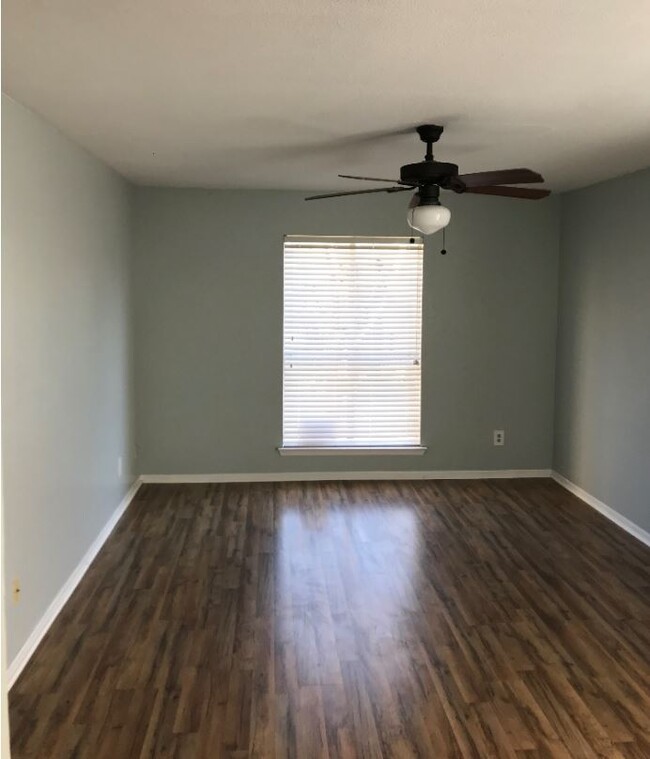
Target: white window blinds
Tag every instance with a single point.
(352, 337)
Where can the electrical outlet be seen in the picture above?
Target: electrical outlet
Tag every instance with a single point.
(499, 437)
(15, 591)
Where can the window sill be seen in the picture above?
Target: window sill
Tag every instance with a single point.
(402, 450)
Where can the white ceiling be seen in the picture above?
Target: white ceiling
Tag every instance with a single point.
(287, 93)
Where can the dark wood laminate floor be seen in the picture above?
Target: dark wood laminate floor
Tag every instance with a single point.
(385, 619)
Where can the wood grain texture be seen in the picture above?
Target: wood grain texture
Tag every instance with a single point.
(499, 618)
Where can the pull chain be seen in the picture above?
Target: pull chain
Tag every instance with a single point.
(443, 252)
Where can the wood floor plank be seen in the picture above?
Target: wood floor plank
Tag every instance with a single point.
(349, 620)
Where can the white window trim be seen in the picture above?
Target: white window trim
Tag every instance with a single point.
(410, 448)
(405, 450)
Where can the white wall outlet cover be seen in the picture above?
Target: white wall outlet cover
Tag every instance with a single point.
(499, 437)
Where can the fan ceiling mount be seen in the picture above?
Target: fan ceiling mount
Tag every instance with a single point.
(428, 177)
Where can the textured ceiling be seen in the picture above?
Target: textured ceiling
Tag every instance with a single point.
(287, 93)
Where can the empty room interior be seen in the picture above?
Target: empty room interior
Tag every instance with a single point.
(326, 379)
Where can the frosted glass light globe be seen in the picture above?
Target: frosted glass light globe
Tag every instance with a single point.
(428, 218)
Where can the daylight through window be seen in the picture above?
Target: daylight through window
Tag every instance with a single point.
(352, 340)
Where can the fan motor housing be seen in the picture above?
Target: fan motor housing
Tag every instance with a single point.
(428, 172)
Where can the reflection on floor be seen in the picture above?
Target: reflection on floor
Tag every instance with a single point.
(372, 619)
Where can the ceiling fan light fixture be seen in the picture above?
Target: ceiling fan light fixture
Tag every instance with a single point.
(428, 218)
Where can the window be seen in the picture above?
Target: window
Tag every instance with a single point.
(352, 337)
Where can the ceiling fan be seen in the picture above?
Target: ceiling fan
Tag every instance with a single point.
(428, 177)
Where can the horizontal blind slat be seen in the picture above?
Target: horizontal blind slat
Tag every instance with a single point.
(352, 341)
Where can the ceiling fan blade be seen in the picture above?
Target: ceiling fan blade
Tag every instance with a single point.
(511, 192)
(505, 176)
(359, 192)
(374, 179)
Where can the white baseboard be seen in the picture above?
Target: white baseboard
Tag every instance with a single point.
(31, 644)
(469, 474)
(603, 508)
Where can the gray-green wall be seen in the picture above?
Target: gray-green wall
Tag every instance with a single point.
(167, 304)
(66, 368)
(602, 421)
(208, 285)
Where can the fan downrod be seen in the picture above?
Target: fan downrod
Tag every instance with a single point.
(430, 133)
